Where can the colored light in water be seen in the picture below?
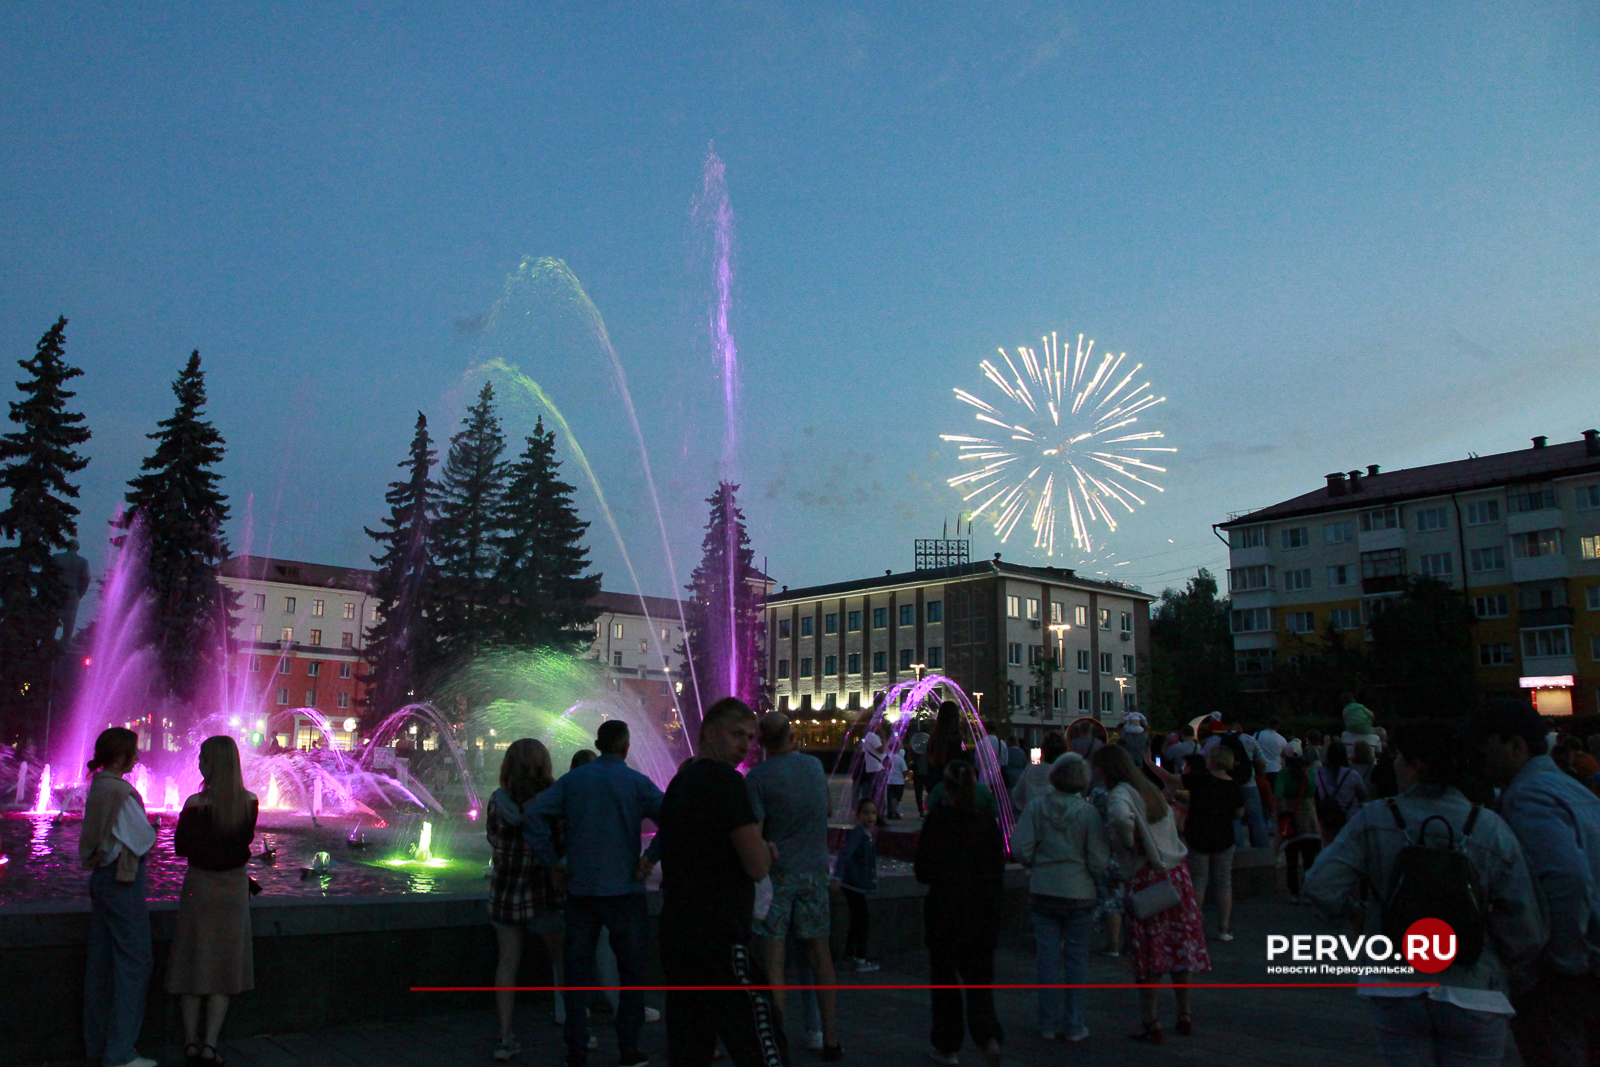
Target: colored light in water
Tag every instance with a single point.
(42, 805)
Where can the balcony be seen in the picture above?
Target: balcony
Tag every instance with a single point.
(1388, 583)
(1529, 618)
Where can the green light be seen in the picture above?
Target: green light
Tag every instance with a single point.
(255, 737)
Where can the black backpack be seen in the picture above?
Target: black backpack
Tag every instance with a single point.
(1329, 811)
(1244, 768)
(1437, 883)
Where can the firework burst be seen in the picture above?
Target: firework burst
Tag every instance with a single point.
(1066, 449)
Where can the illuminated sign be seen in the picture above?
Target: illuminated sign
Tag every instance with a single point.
(1552, 681)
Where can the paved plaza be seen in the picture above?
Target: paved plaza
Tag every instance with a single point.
(1240, 1028)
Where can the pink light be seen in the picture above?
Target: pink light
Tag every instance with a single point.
(473, 814)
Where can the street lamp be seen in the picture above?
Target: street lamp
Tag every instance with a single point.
(978, 706)
(919, 668)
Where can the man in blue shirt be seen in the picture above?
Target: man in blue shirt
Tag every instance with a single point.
(604, 805)
(1557, 821)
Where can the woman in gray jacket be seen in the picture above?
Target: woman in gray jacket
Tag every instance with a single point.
(1062, 841)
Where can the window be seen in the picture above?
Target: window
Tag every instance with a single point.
(1340, 575)
(1490, 606)
(286, 635)
(1129, 702)
(1594, 648)
(1589, 547)
(1492, 558)
(935, 611)
(349, 611)
(905, 659)
(1388, 563)
(255, 665)
(1297, 580)
(1013, 695)
(1593, 597)
(1080, 615)
(1344, 618)
(935, 657)
(283, 666)
(1127, 664)
(1554, 641)
(1587, 497)
(908, 614)
(347, 640)
(1536, 543)
(830, 623)
(1300, 622)
(316, 607)
(616, 659)
(1483, 512)
(1296, 537)
(1252, 620)
(1013, 607)
(1105, 618)
(807, 626)
(783, 668)
(1108, 701)
(315, 638)
(805, 666)
(288, 605)
(830, 665)
(1380, 519)
(258, 631)
(1432, 519)
(1033, 609)
(663, 634)
(783, 628)
(852, 663)
(1241, 579)
(1497, 654)
(880, 662)
(345, 670)
(1253, 661)
(1014, 653)
(314, 669)
(311, 698)
(1436, 564)
(1248, 537)
(852, 622)
(1058, 611)
(1105, 663)
(880, 618)
(261, 602)
(1084, 698)
(643, 645)
(1058, 700)
(344, 699)
(1530, 498)
(283, 696)
(1127, 622)
(1083, 661)
(616, 630)
(1335, 533)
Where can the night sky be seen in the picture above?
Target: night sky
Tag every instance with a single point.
(1341, 235)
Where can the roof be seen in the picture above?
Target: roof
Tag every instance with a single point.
(298, 572)
(983, 568)
(1463, 475)
(657, 607)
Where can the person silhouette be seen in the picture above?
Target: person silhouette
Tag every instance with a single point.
(75, 583)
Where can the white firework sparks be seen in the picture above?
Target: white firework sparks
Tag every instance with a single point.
(1071, 451)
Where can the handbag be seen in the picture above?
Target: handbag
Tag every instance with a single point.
(1154, 898)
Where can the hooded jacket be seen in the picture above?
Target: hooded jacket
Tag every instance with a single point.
(1062, 841)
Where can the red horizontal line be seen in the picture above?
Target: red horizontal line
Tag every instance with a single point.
(902, 986)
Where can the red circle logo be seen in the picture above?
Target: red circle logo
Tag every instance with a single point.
(1430, 945)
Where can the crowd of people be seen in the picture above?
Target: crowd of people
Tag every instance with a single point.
(1123, 834)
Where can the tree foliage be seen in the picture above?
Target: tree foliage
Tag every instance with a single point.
(726, 635)
(39, 457)
(182, 510)
(401, 647)
(1422, 650)
(1190, 668)
(471, 485)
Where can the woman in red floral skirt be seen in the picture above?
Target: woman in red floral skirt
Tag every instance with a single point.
(1162, 919)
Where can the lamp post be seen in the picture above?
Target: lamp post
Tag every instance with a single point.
(919, 668)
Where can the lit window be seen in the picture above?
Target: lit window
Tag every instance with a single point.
(261, 602)
(349, 611)
(316, 637)
(316, 607)
(1033, 609)
(1057, 611)
(1105, 618)
(287, 634)
(1080, 615)
(616, 630)
(347, 640)
(1590, 547)
(258, 631)
(1013, 607)
(644, 646)
(1536, 543)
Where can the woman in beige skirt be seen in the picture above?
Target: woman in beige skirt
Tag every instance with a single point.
(211, 947)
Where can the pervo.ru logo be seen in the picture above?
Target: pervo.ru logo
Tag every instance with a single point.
(1430, 947)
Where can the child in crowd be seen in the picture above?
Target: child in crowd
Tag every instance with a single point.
(856, 871)
(897, 783)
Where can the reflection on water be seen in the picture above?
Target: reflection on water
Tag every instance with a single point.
(43, 863)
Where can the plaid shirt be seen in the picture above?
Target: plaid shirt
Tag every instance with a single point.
(519, 888)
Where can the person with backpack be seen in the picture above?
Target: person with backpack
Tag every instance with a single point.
(1430, 853)
(1250, 829)
(1340, 793)
(1299, 833)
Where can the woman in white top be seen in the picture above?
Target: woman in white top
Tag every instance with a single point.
(114, 840)
(1144, 839)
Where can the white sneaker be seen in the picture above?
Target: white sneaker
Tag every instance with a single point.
(141, 1061)
(1076, 1035)
(814, 1040)
(651, 1015)
(866, 967)
(506, 1050)
(949, 1059)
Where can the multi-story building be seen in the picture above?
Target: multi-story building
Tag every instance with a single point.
(639, 639)
(1518, 533)
(993, 628)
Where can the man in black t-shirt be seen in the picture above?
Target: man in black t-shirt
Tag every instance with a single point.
(712, 856)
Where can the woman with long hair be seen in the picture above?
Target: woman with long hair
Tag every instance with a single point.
(944, 742)
(211, 944)
(1165, 935)
(522, 894)
(961, 859)
(1339, 792)
(115, 838)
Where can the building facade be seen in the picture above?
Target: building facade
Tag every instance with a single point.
(639, 639)
(1041, 645)
(1518, 533)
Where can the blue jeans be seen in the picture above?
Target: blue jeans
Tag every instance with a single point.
(628, 920)
(119, 966)
(1421, 1032)
(1251, 831)
(1063, 935)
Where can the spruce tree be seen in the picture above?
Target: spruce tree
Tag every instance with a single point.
(400, 647)
(726, 636)
(541, 555)
(182, 510)
(38, 457)
(471, 485)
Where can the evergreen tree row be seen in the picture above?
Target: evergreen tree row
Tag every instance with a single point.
(489, 556)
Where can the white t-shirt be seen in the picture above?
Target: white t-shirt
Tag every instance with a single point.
(872, 745)
(1272, 745)
(132, 830)
(897, 769)
(1134, 723)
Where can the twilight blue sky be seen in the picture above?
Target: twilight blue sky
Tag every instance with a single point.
(1335, 234)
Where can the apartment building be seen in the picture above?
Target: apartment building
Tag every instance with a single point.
(1517, 532)
(638, 638)
(992, 627)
